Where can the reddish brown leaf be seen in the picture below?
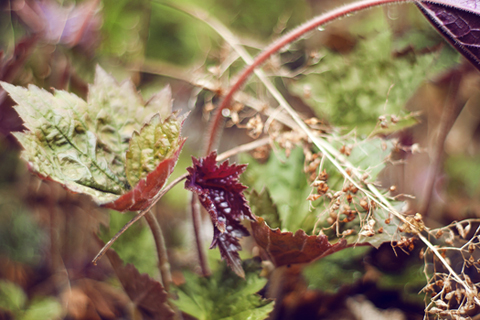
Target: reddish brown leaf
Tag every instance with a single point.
(221, 194)
(147, 294)
(141, 196)
(286, 248)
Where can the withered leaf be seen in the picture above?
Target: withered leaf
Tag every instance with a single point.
(284, 248)
(147, 294)
(221, 194)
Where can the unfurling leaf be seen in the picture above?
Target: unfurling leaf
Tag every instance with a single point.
(221, 194)
(286, 248)
(223, 296)
(83, 144)
(150, 160)
(459, 22)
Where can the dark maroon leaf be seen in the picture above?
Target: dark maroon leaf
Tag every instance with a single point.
(141, 196)
(459, 22)
(221, 194)
(284, 248)
(147, 294)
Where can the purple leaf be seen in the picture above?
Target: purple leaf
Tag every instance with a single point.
(459, 22)
(221, 194)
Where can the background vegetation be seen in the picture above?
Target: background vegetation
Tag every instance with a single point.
(383, 72)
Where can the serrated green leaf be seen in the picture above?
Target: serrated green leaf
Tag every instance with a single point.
(83, 145)
(286, 181)
(223, 295)
(341, 94)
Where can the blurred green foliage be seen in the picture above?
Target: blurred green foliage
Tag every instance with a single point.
(15, 300)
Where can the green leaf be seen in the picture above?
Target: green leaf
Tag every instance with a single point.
(287, 184)
(354, 90)
(43, 309)
(156, 142)
(331, 273)
(83, 145)
(223, 295)
(12, 297)
(262, 206)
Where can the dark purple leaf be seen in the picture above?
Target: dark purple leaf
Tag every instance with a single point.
(459, 22)
(221, 194)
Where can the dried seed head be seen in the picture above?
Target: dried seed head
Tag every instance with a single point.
(349, 198)
(337, 194)
(347, 232)
(471, 248)
(364, 204)
(323, 176)
(313, 197)
(393, 188)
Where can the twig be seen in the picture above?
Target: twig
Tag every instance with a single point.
(197, 222)
(137, 217)
(163, 263)
(243, 148)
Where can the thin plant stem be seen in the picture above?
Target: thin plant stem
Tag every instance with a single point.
(163, 263)
(243, 148)
(280, 43)
(197, 222)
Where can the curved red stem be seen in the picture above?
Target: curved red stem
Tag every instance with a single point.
(280, 43)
